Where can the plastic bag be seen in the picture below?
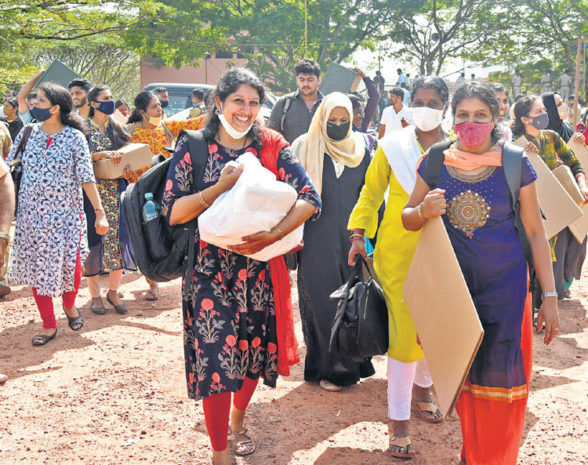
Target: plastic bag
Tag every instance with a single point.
(257, 202)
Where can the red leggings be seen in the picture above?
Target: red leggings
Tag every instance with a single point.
(45, 303)
(217, 408)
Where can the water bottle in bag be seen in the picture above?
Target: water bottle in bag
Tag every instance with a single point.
(151, 209)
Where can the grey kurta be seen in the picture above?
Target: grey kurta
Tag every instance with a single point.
(50, 220)
(322, 269)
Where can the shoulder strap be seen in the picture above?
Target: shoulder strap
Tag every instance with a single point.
(434, 162)
(168, 134)
(512, 164)
(131, 129)
(22, 145)
(199, 156)
(287, 105)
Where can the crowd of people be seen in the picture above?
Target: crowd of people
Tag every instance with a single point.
(360, 187)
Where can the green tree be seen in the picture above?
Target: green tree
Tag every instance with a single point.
(270, 33)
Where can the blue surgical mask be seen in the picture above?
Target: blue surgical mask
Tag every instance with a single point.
(41, 114)
(106, 107)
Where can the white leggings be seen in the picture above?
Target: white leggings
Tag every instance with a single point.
(401, 376)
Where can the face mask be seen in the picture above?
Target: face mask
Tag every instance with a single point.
(337, 131)
(541, 121)
(106, 107)
(40, 114)
(563, 111)
(231, 131)
(153, 120)
(473, 134)
(425, 118)
(164, 103)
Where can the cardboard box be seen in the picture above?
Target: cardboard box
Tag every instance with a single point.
(338, 78)
(557, 205)
(443, 312)
(566, 179)
(579, 227)
(58, 73)
(137, 155)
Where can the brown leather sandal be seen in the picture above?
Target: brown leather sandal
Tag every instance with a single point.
(428, 407)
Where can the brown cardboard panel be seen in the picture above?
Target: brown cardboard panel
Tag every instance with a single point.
(557, 205)
(579, 227)
(137, 155)
(581, 152)
(443, 312)
(566, 179)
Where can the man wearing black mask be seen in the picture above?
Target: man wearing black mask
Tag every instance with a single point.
(163, 96)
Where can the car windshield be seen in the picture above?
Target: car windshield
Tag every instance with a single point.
(177, 103)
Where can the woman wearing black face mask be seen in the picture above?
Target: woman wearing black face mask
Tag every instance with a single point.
(110, 253)
(336, 160)
(50, 237)
(531, 120)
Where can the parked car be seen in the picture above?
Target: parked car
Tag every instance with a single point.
(180, 98)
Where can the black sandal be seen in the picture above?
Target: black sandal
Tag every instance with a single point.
(41, 339)
(73, 321)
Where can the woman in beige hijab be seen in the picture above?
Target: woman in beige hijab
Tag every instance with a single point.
(336, 161)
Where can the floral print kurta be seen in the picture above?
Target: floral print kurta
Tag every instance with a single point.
(159, 138)
(50, 221)
(112, 251)
(229, 316)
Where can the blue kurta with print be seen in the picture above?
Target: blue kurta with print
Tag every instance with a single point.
(480, 224)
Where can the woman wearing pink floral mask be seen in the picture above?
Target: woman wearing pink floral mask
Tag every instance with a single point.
(474, 202)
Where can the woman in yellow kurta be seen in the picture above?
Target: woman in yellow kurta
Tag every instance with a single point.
(394, 168)
(146, 126)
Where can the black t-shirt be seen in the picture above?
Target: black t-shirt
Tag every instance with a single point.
(14, 126)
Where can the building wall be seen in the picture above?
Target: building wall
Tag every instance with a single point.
(208, 72)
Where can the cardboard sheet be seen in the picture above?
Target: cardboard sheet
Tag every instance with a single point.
(339, 78)
(443, 312)
(566, 179)
(58, 73)
(557, 205)
(579, 227)
(137, 155)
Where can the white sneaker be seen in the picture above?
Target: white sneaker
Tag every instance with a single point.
(3, 378)
(328, 386)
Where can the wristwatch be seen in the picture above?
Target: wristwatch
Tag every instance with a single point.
(549, 294)
(4, 236)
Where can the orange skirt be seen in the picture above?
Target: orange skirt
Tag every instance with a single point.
(492, 429)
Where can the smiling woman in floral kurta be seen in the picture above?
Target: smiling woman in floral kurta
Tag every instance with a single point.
(237, 317)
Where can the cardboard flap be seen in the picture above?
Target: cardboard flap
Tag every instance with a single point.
(557, 205)
(565, 177)
(137, 155)
(443, 312)
(579, 227)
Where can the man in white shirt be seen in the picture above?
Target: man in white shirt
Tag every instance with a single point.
(517, 83)
(396, 116)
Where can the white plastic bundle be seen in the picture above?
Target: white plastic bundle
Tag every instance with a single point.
(257, 202)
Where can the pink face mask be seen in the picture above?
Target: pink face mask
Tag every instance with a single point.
(473, 135)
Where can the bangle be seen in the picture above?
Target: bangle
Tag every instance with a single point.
(549, 294)
(356, 237)
(418, 209)
(204, 204)
(279, 232)
(5, 236)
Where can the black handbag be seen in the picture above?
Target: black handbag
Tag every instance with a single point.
(360, 326)
(16, 163)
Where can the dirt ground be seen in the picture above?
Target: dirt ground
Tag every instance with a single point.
(115, 394)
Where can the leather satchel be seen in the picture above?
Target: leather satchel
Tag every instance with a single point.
(16, 163)
(360, 326)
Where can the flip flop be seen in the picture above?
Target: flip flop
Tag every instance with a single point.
(243, 447)
(429, 407)
(74, 321)
(403, 446)
(41, 339)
